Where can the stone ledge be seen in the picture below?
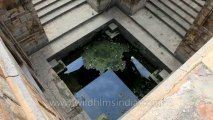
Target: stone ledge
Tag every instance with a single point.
(162, 90)
(16, 82)
(6, 63)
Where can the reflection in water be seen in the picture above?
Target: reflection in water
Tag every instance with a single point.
(75, 65)
(102, 94)
(141, 69)
(107, 95)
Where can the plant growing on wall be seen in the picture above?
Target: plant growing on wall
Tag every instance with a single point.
(104, 55)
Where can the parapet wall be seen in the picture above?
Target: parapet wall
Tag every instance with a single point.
(19, 98)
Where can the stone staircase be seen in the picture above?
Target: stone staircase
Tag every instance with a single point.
(163, 21)
(54, 11)
(168, 20)
(60, 16)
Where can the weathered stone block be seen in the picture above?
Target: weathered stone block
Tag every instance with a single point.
(23, 19)
(16, 22)
(101, 5)
(128, 6)
(131, 6)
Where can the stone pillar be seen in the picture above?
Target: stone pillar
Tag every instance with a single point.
(128, 6)
(21, 23)
(101, 5)
(200, 32)
(131, 6)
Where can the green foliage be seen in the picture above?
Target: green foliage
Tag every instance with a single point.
(104, 55)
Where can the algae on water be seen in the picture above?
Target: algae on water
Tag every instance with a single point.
(104, 55)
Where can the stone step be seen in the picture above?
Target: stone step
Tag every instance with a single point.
(158, 29)
(44, 4)
(35, 2)
(53, 7)
(61, 11)
(199, 2)
(178, 11)
(153, 46)
(62, 44)
(193, 5)
(73, 36)
(59, 26)
(170, 14)
(167, 20)
(185, 8)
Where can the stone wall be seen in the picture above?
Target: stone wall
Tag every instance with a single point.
(21, 22)
(9, 107)
(19, 98)
(7, 4)
(199, 33)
